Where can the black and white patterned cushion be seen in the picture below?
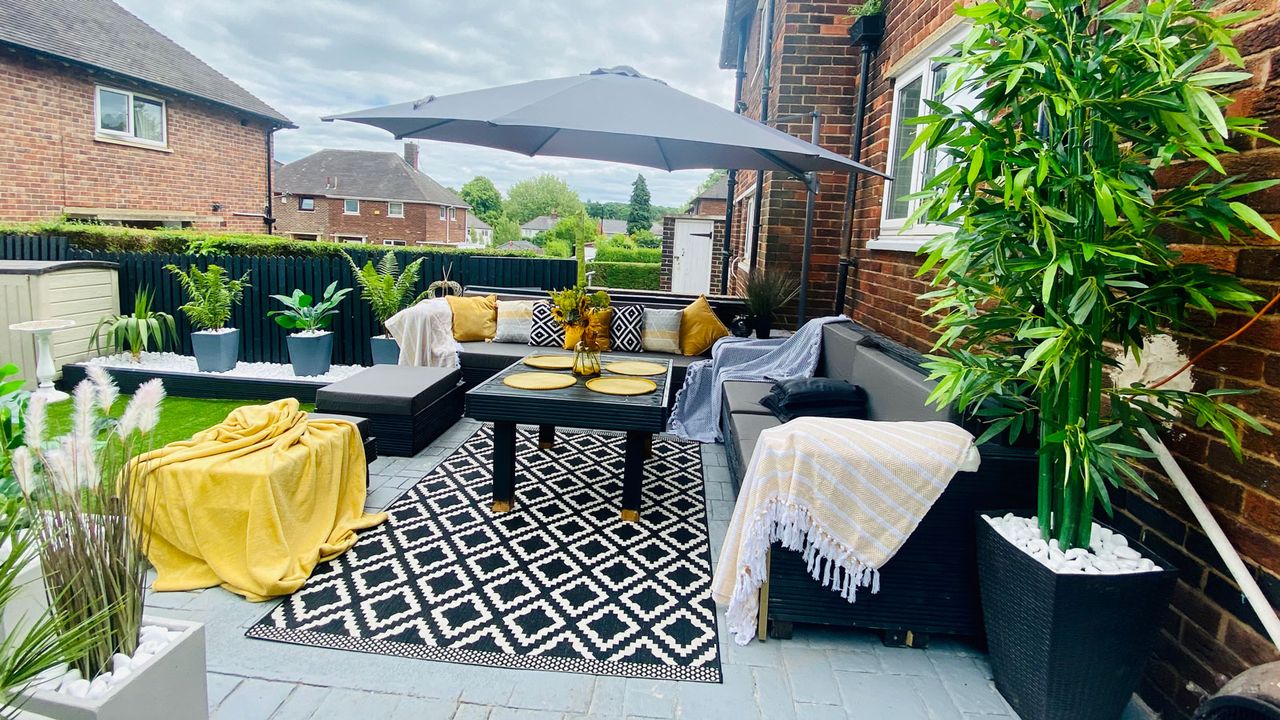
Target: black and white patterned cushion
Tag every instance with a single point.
(627, 328)
(544, 331)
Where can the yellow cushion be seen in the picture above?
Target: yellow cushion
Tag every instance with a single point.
(474, 318)
(699, 327)
(599, 323)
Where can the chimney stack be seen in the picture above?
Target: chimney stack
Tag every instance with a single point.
(411, 154)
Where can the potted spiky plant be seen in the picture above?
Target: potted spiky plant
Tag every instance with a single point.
(311, 346)
(764, 294)
(137, 332)
(210, 296)
(387, 289)
(1059, 254)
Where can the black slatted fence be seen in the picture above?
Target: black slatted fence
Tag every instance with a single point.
(262, 340)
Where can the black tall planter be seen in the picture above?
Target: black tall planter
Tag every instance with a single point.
(1072, 646)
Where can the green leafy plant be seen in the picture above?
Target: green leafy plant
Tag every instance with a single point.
(1058, 251)
(87, 496)
(766, 290)
(13, 402)
(138, 332)
(385, 286)
(870, 7)
(211, 295)
(303, 314)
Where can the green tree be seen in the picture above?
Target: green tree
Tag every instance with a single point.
(1060, 248)
(505, 230)
(641, 215)
(484, 198)
(543, 195)
(608, 210)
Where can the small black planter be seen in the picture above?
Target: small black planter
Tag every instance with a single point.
(764, 327)
(867, 30)
(386, 351)
(216, 351)
(310, 354)
(1067, 647)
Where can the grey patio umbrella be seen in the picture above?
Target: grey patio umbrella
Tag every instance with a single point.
(618, 115)
(613, 114)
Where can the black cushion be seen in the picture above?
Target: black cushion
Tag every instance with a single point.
(815, 397)
(388, 390)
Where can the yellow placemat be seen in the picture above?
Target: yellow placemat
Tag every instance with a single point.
(635, 367)
(621, 385)
(538, 381)
(550, 362)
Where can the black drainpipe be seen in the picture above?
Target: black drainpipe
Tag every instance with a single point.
(764, 120)
(739, 76)
(268, 215)
(849, 264)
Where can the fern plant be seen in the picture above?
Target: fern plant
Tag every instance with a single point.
(211, 295)
(385, 286)
(137, 332)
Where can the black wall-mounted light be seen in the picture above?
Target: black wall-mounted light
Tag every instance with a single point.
(217, 207)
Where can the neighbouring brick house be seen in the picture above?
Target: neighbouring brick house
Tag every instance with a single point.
(104, 118)
(361, 196)
(1210, 634)
(711, 202)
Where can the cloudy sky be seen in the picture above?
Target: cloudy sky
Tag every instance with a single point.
(321, 57)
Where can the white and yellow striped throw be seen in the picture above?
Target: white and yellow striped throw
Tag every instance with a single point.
(845, 493)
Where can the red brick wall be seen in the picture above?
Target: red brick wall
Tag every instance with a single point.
(421, 223)
(50, 159)
(710, 208)
(1210, 634)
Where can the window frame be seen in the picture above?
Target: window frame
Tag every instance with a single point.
(393, 214)
(304, 198)
(345, 202)
(351, 239)
(129, 133)
(893, 233)
(453, 214)
(393, 242)
(444, 212)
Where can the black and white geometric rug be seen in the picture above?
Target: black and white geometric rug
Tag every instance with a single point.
(559, 583)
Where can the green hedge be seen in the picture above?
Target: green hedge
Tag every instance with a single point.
(111, 238)
(629, 255)
(629, 275)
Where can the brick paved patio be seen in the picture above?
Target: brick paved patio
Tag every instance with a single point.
(818, 675)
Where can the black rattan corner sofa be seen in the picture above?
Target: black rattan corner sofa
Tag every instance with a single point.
(930, 585)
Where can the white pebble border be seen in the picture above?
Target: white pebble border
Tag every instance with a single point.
(1108, 554)
(151, 640)
(173, 362)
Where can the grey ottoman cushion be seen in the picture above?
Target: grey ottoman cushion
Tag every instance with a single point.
(388, 390)
(496, 355)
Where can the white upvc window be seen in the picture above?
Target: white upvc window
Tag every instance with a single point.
(395, 209)
(444, 212)
(130, 116)
(306, 204)
(350, 207)
(453, 214)
(353, 239)
(913, 86)
(397, 243)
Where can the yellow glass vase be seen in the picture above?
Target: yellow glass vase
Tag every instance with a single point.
(586, 363)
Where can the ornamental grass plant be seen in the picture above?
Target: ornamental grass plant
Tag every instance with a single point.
(87, 501)
(1058, 250)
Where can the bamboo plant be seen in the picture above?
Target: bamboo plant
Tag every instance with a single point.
(1058, 248)
(211, 295)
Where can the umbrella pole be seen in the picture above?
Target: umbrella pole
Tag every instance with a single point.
(811, 180)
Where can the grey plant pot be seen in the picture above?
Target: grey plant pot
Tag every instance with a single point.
(386, 351)
(216, 351)
(170, 686)
(310, 354)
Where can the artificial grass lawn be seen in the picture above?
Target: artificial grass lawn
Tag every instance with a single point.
(180, 417)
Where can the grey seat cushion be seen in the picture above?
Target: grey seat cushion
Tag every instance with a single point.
(495, 355)
(746, 433)
(894, 391)
(839, 341)
(388, 390)
(743, 396)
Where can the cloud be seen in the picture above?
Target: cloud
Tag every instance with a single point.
(330, 56)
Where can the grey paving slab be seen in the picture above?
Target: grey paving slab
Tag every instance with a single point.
(253, 699)
(937, 701)
(905, 661)
(302, 703)
(649, 698)
(355, 704)
(506, 713)
(875, 697)
(806, 711)
(466, 711)
(220, 686)
(811, 676)
(563, 692)
(423, 709)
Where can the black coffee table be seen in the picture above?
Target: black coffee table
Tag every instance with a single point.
(639, 416)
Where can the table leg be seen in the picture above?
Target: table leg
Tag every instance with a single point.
(504, 466)
(633, 474)
(546, 437)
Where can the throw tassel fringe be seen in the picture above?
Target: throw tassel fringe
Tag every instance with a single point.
(828, 561)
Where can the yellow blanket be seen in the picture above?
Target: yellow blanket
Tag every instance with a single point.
(254, 503)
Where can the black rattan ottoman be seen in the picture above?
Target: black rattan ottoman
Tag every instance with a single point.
(407, 406)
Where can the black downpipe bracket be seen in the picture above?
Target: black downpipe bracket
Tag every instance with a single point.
(764, 120)
(849, 264)
(739, 76)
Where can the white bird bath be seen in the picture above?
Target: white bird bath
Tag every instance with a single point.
(42, 329)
